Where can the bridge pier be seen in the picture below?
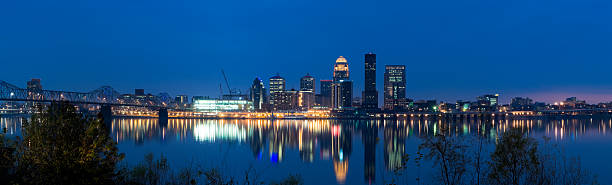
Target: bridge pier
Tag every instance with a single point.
(163, 117)
(107, 115)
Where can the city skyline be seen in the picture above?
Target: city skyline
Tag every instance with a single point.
(543, 51)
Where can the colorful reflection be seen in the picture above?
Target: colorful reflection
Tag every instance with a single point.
(333, 140)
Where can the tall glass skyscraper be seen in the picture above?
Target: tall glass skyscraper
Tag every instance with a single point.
(370, 95)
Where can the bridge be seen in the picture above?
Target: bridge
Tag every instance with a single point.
(104, 96)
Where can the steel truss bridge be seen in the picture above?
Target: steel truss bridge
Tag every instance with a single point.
(104, 95)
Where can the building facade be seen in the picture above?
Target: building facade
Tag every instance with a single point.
(217, 105)
(277, 86)
(395, 86)
(324, 98)
(341, 87)
(370, 94)
(342, 94)
(341, 69)
(307, 83)
(258, 95)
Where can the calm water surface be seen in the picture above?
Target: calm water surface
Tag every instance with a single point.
(335, 151)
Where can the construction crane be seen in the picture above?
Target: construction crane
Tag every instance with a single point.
(230, 90)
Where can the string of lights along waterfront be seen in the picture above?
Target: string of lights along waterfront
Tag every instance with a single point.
(334, 98)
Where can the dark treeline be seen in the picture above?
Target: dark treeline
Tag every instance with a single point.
(513, 158)
(62, 146)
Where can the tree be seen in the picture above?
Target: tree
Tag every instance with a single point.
(515, 159)
(61, 146)
(449, 153)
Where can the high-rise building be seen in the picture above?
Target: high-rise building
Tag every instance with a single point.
(258, 94)
(370, 95)
(277, 86)
(324, 98)
(307, 83)
(395, 86)
(342, 94)
(342, 87)
(326, 87)
(341, 69)
(181, 100)
(34, 85)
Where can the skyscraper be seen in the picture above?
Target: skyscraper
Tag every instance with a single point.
(341, 70)
(326, 87)
(277, 87)
(307, 83)
(342, 87)
(258, 94)
(395, 86)
(324, 98)
(370, 95)
(342, 94)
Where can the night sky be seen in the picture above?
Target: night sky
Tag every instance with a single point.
(453, 49)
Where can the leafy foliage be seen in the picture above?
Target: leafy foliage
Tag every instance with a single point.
(60, 144)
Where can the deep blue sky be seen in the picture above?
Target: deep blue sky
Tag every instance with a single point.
(453, 49)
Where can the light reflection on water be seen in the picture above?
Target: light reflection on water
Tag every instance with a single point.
(298, 143)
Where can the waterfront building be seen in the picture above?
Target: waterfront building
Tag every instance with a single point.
(277, 86)
(307, 83)
(342, 94)
(258, 95)
(370, 94)
(463, 106)
(426, 105)
(341, 69)
(487, 102)
(395, 86)
(217, 105)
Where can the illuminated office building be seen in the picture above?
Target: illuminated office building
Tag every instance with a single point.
(341, 69)
(277, 86)
(217, 105)
(488, 102)
(307, 83)
(395, 87)
(341, 87)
